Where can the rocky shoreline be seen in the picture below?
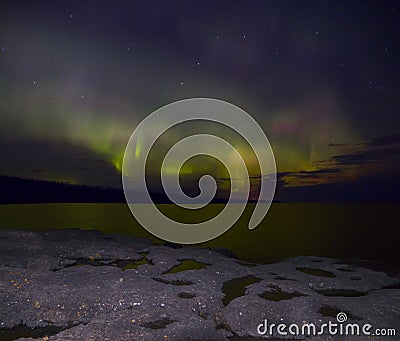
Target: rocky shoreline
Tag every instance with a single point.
(84, 285)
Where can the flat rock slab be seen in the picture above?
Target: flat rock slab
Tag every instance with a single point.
(84, 285)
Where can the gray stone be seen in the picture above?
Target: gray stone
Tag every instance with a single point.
(84, 285)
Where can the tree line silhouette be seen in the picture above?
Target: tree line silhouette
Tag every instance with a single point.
(15, 190)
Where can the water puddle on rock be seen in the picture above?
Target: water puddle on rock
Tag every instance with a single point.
(237, 287)
(316, 272)
(123, 264)
(276, 294)
(25, 332)
(342, 293)
(186, 295)
(132, 265)
(187, 265)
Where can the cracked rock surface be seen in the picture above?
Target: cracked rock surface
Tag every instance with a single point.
(84, 285)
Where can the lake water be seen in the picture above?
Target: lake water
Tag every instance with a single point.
(345, 231)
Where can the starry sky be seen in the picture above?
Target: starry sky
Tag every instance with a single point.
(320, 77)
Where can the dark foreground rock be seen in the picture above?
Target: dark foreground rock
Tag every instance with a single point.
(84, 285)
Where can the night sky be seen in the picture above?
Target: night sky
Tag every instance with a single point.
(320, 77)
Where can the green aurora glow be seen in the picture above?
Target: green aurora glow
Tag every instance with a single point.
(75, 83)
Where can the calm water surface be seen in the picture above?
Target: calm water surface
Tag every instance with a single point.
(363, 231)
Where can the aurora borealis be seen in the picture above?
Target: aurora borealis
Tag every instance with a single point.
(320, 77)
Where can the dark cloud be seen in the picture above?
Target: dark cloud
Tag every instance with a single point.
(315, 174)
(383, 141)
(365, 157)
(58, 161)
(337, 144)
(383, 188)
